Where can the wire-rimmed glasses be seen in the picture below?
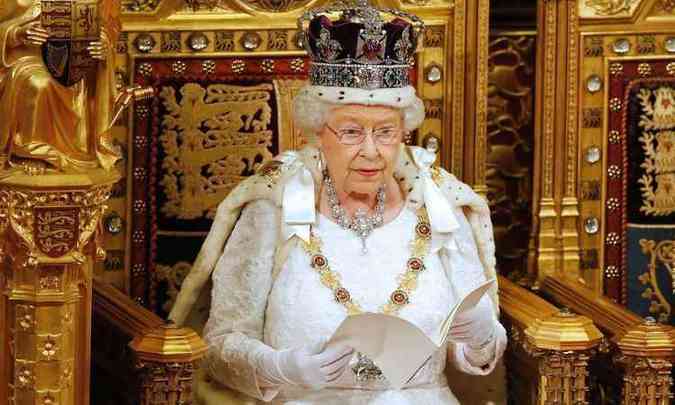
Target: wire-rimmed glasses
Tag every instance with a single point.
(356, 136)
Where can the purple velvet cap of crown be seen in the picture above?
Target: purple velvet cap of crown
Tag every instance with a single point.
(343, 40)
(359, 48)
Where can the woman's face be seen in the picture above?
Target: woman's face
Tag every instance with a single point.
(363, 167)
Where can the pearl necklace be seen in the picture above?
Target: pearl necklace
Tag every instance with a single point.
(362, 224)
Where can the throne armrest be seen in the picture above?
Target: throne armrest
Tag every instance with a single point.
(643, 348)
(160, 365)
(545, 343)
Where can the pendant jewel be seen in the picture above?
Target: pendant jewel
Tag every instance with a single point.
(362, 224)
(365, 370)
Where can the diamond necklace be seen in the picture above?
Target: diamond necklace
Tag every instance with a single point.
(362, 224)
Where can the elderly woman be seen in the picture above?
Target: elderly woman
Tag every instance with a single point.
(343, 229)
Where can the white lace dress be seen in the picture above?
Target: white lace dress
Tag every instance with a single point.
(251, 306)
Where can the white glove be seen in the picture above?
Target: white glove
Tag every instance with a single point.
(474, 333)
(309, 366)
(475, 327)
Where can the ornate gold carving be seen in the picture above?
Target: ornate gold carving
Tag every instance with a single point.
(277, 40)
(197, 5)
(646, 44)
(571, 113)
(48, 347)
(167, 358)
(609, 7)
(25, 375)
(548, 111)
(45, 228)
(480, 146)
(434, 36)
(667, 6)
(646, 355)
(139, 6)
(658, 144)
(592, 117)
(647, 381)
(56, 230)
(170, 41)
(563, 344)
(227, 132)
(50, 242)
(593, 46)
(433, 108)
(224, 41)
(458, 90)
(25, 317)
(50, 283)
(289, 136)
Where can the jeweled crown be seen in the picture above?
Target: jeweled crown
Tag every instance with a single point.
(353, 44)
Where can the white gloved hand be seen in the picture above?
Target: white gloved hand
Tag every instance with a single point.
(475, 327)
(310, 366)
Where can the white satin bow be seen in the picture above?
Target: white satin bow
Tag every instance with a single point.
(298, 205)
(443, 221)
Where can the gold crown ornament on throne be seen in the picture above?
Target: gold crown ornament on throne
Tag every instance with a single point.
(361, 54)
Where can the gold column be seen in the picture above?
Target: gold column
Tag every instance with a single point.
(556, 124)
(646, 353)
(563, 343)
(167, 358)
(48, 226)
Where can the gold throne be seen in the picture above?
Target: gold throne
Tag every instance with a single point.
(243, 59)
(225, 73)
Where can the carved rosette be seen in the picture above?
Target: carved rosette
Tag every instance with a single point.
(47, 254)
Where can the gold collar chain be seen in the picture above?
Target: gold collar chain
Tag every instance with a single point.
(407, 280)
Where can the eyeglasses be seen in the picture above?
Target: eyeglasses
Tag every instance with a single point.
(356, 136)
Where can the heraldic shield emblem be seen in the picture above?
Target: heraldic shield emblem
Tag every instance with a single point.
(72, 25)
(56, 230)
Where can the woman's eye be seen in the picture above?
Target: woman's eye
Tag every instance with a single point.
(385, 132)
(351, 132)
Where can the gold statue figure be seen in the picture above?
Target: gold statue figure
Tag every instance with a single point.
(45, 125)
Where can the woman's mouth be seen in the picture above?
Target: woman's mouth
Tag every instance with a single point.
(368, 172)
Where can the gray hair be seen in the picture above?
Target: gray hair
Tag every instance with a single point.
(310, 114)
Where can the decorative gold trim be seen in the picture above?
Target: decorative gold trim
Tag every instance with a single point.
(48, 229)
(480, 151)
(458, 102)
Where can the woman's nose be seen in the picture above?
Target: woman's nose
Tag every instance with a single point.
(369, 147)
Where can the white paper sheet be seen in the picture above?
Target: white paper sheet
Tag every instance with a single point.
(399, 348)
